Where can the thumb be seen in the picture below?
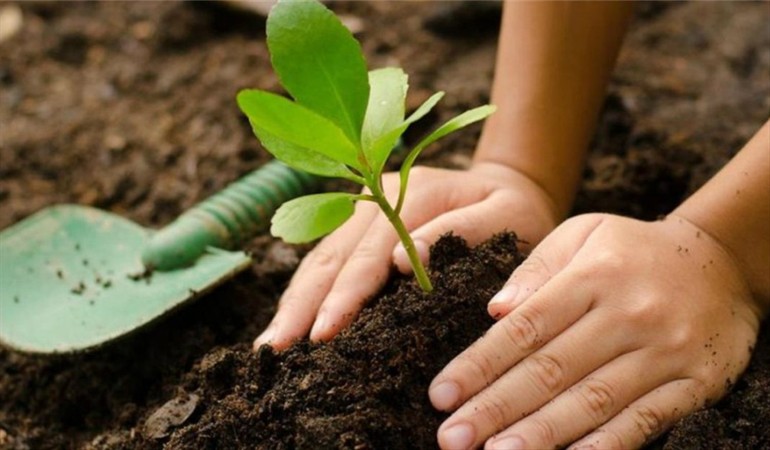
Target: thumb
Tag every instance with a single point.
(465, 222)
(550, 257)
(475, 223)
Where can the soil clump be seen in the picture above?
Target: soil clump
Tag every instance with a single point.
(129, 107)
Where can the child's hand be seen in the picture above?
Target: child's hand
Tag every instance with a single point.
(611, 331)
(353, 263)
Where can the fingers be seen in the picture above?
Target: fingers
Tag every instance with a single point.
(538, 378)
(474, 223)
(313, 279)
(586, 405)
(509, 341)
(545, 261)
(362, 275)
(368, 266)
(647, 417)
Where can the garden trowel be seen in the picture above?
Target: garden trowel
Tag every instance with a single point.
(74, 277)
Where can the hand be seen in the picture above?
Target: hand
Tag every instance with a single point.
(353, 263)
(611, 331)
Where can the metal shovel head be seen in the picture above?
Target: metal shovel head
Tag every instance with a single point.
(71, 279)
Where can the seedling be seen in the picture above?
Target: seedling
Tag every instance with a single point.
(343, 122)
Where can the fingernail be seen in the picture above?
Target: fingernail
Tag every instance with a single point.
(508, 443)
(506, 295)
(458, 437)
(319, 328)
(445, 395)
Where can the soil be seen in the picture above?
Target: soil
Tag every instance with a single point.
(366, 388)
(129, 107)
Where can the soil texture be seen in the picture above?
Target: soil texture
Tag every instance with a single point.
(130, 107)
(366, 388)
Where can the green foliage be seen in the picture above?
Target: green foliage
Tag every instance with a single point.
(343, 122)
(385, 110)
(307, 218)
(296, 125)
(461, 121)
(380, 149)
(319, 63)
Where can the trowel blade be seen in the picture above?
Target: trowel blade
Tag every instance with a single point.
(71, 279)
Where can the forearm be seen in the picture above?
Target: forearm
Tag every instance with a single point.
(553, 63)
(734, 208)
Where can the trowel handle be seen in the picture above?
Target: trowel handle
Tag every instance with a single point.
(227, 218)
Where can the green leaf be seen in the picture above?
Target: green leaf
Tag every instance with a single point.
(461, 121)
(319, 63)
(304, 159)
(295, 124)
(425, 108)
(385, 110)
(308, 218)
(381, 148)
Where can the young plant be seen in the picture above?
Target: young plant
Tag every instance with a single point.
(343, 122)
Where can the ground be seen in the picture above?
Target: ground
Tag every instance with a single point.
(130, 107)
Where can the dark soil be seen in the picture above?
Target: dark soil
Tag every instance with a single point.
(129, 106)
(366, 388)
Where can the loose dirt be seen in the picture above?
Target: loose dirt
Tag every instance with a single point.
(130, 107)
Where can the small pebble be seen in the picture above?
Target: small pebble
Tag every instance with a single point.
(173, 413)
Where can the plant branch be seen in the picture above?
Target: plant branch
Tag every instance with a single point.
(404, 175)
(365, 197)
(419, 270)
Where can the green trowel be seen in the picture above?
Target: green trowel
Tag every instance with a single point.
(74, 277)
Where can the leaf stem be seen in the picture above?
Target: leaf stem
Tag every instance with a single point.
(419, 270)
(365, 197)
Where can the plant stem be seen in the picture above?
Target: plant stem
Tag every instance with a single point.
(406, 240)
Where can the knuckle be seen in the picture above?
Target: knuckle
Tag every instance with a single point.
(681, 338)
(367, 250)
(610, 260)
(710, 377)
(648, 421)
(535, 265)
(546, 371)
(522, 330)
(606, 263)
(496, 411)
(598, 398)
(544, 431)
(323, 257)
(479, 364)
(706, 392)
(645, 311)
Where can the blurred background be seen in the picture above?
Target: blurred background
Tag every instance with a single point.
(130, 107)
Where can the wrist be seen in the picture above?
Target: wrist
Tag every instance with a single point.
(734, 208)
(760, 302)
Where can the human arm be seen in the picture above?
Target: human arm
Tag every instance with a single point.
(554, 60)
(548, 88)
(734, 208)
(614, 328)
